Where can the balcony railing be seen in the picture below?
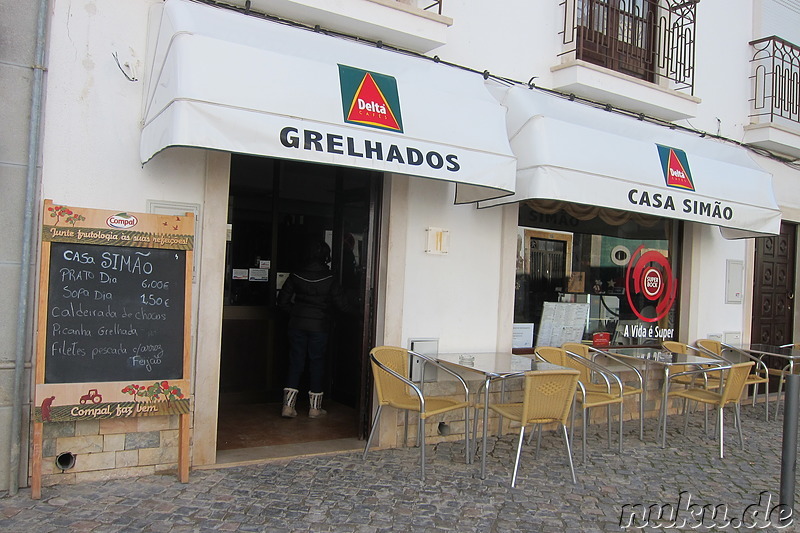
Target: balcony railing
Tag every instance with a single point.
(435, 6)
(653, 40)
(776, 80)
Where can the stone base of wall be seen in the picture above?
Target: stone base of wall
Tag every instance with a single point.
(110, 449)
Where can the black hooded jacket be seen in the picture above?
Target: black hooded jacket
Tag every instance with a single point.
(310, 295)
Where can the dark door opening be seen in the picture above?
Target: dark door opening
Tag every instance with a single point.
(275, 207)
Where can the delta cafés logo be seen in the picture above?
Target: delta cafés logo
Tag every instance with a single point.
(370, 99)
(675, 165)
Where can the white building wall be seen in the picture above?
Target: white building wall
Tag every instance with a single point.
(452, 297)
(93, 113)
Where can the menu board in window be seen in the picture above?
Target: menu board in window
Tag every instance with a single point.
(562, 322)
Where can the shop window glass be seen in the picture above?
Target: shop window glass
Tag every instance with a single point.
(623, 268)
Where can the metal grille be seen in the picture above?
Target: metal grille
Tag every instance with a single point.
(653, 40)
(776, 79)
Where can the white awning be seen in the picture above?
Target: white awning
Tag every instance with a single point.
(227, 81)
(577, 153)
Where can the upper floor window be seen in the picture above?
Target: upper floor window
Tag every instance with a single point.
(652, 40)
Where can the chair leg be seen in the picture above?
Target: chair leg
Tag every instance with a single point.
(421, 441)
(572, 420)
(620, 427)
(641, 416)
(405, 432)
(538, 440)
(467, 456)
(685, 415)
(721, 433)
(519, 451)
(583, 434)
(778, 397)
(475, 429)
(569, 452)
(608, 423)
(372, 431)
(738, 415)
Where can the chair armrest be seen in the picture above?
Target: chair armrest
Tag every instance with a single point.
(405, 380)
(437, 364)
(760, 365)
(621, 362)
(606, 374)
(699, 371)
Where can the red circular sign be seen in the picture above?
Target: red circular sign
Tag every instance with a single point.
(650, 274)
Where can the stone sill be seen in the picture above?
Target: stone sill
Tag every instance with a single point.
(413, 10)
(774, 137)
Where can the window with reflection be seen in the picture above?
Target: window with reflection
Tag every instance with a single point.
(621, 266)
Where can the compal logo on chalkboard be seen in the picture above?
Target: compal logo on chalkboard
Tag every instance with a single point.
(122, 221)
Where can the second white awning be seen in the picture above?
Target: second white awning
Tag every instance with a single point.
(578, 153)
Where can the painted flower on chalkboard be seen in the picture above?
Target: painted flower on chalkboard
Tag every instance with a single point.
(163, 389)
(59, 211)
(134, 390)
(155, 392)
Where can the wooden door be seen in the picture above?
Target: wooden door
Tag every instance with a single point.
(773, 287)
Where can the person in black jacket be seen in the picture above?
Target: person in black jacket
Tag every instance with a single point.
(309, 295)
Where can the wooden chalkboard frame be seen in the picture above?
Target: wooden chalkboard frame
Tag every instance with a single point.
(88, 229)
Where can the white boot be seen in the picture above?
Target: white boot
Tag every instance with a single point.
(289, 398)
(316, 409)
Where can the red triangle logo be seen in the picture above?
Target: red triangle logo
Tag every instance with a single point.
(676, 174)
(369, 106)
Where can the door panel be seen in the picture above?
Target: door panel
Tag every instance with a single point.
(773, 289)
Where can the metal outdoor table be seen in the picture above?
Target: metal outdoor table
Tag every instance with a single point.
(659, 356)
(492, 365)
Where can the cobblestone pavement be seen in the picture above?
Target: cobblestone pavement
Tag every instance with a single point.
(342, 493)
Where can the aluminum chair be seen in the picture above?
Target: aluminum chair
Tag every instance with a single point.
(547, 398)
(735, 380)
(390, 368)
(759, 374)
(636, 389)
(781, 373)
(588, 398)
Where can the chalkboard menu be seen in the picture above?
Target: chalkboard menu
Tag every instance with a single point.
(113, 321)
(114, 313)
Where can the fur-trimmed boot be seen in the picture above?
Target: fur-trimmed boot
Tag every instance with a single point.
(316, 409)
(289, 399)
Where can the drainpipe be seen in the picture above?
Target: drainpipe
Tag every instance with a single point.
(34, 136)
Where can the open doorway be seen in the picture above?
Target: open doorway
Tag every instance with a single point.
(275, 208)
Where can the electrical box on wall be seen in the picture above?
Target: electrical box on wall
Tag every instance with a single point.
(734, 281)
(732, 337)
(428, 347)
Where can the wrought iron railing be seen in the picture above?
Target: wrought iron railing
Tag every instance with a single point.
(435, 6)
(776, 79)
(427, 5)
(653, 40)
